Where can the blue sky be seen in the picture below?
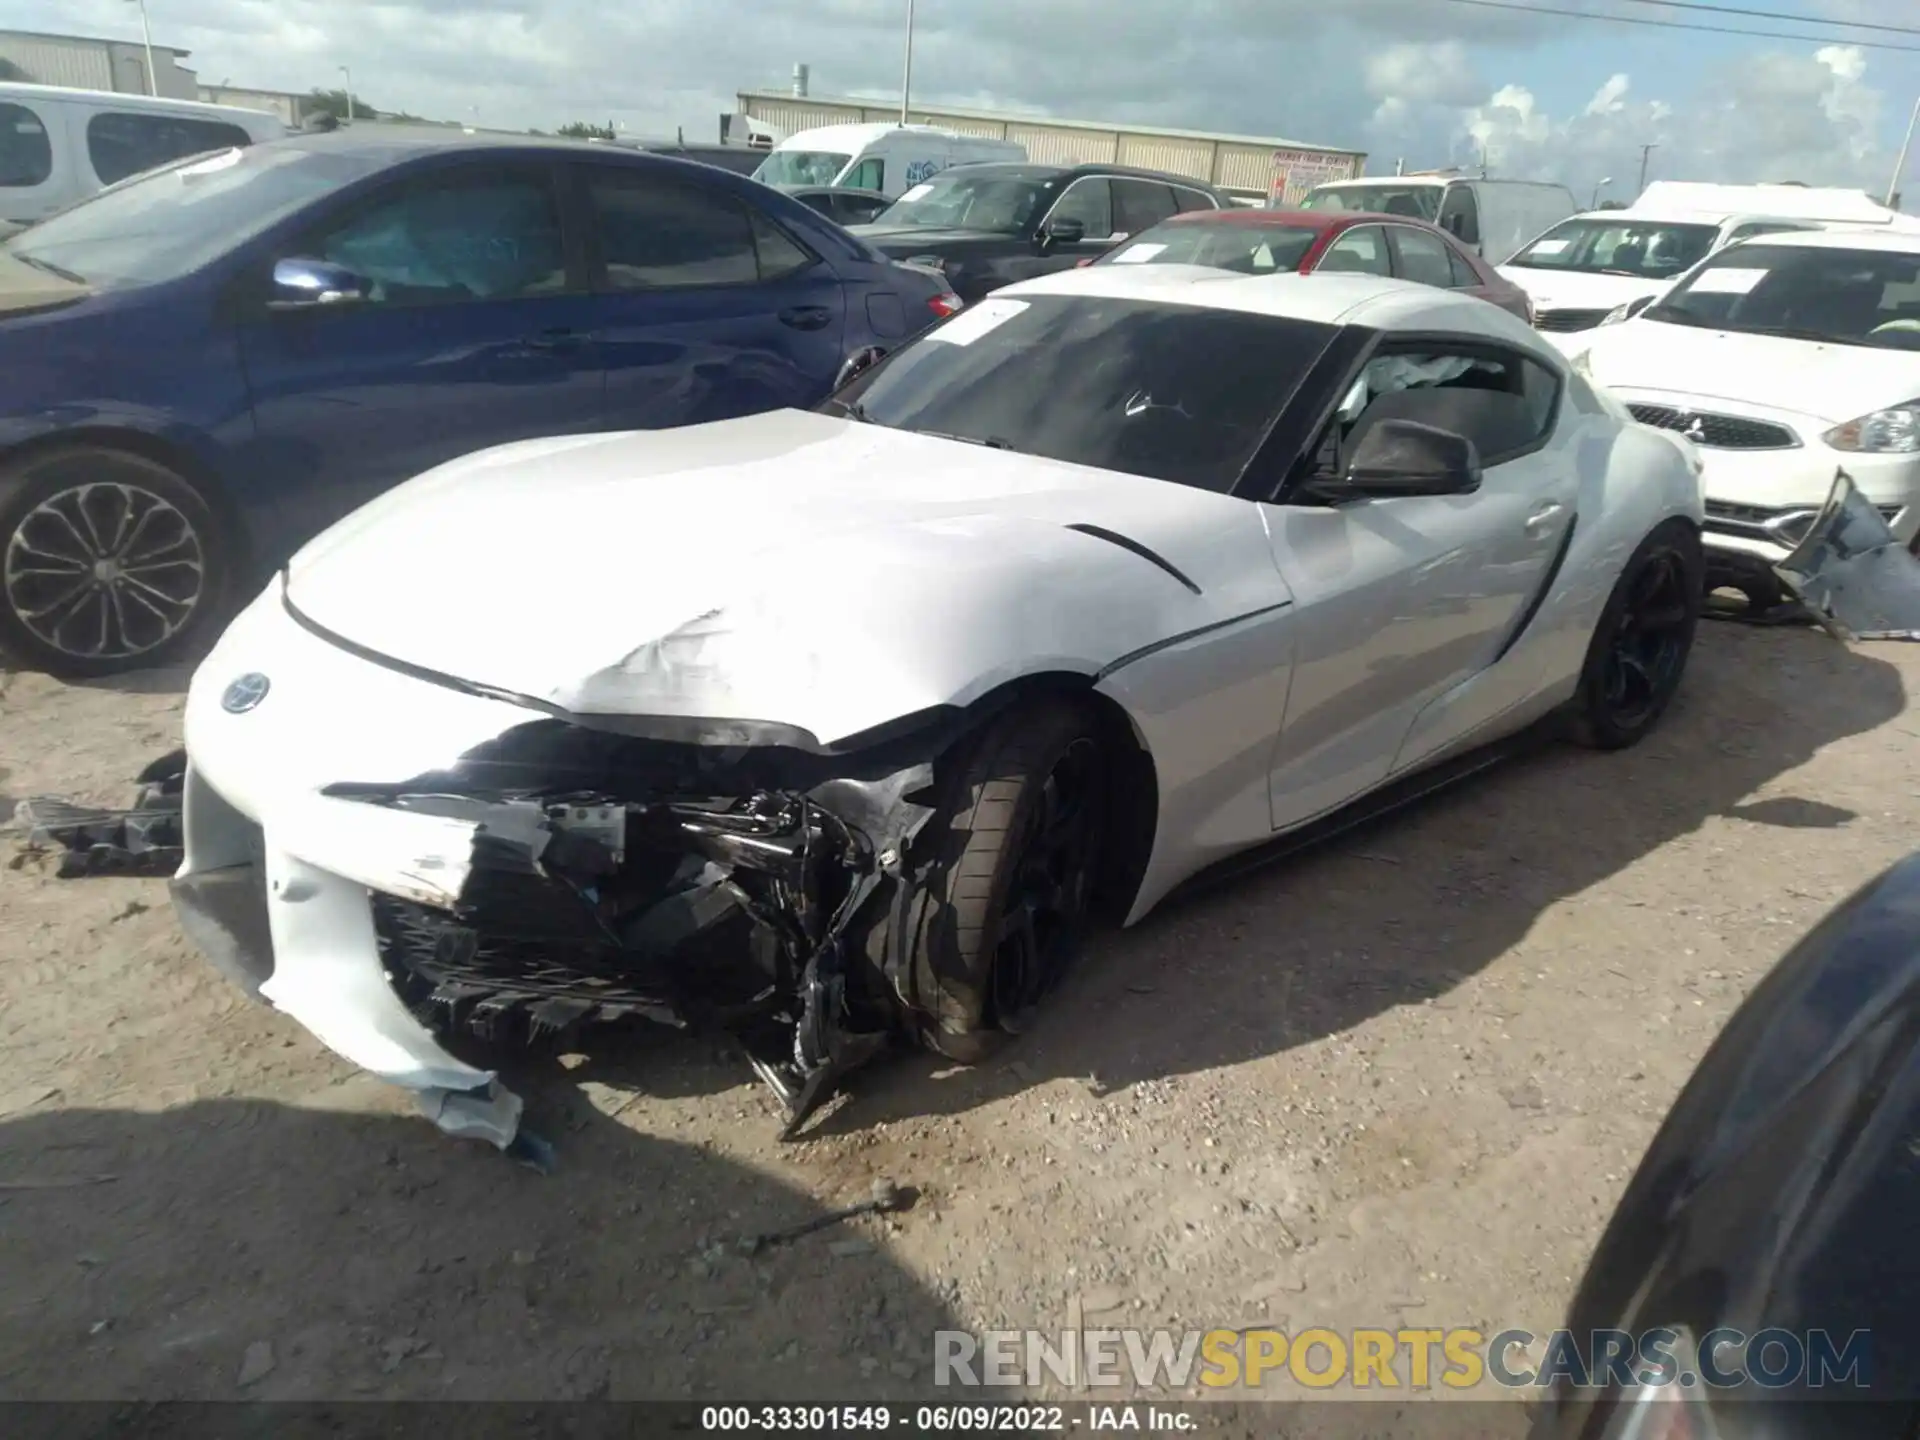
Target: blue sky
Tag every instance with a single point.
(1409, 78)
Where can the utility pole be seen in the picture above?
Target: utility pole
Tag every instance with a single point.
(1900, 165)
(347, 75)
(146, 35)
(1646, 154)
(906, 73)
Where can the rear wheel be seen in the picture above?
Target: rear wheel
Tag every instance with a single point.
(1004, 910)
(109, 562)
(1640, 647)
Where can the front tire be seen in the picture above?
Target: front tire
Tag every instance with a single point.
(1004, 910)
(109, 562)
(1640, 647)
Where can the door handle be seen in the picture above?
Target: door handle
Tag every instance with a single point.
(554, 340)
(806, 317)
(1541, 520)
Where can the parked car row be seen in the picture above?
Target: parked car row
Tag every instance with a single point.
(204, 367)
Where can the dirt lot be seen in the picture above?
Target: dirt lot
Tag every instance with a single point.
(1400, 1082)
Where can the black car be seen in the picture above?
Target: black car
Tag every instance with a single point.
(840, 203)
(991, 224)
(1762, 1263)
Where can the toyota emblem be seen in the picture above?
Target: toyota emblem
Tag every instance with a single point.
(245, 693)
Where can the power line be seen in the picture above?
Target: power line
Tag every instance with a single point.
(1683, 25)
(1777, 15)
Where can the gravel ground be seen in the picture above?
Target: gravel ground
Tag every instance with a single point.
(1401, 1081)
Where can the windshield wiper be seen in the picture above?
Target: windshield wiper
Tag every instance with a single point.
(1672, 316)
(59, 272)
(990, 442)
(1788, 332)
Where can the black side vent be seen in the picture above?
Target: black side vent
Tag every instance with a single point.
(1127, 543)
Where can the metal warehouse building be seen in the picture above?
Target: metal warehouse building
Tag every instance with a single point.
(82, 62)
(1250, 166)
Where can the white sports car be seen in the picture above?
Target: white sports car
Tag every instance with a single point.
(835, 727)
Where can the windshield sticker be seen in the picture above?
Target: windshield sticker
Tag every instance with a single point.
(1726, 280)
(977, 320)
(918, 192)
(1137, 254)
(1550, 247)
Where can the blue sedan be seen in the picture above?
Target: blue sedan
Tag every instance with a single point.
(205, 366)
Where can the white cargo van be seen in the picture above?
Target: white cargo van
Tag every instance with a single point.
(58, 146)
(891, 159)
(1495, 217)
(1591, 266)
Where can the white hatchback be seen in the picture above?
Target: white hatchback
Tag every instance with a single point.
(1786, 359)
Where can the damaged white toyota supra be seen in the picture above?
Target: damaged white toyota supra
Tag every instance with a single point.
(834, 728)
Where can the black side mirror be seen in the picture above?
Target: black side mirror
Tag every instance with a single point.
(303, 284)
(1405, 457)
(1064, 231)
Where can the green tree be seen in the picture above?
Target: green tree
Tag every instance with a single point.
(334, 103)
(585, 130)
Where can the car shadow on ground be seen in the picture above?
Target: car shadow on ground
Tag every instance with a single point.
(248, 1250)
(165, 680)
(1408, 907)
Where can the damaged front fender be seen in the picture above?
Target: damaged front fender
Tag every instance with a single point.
(1850, 572)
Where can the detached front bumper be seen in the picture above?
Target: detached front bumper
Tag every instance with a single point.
(349, 860)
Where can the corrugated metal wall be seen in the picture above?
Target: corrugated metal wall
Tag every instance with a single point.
(78, 64)
(1252, 168)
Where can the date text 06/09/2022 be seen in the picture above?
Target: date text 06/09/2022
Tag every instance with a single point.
(934, 1419)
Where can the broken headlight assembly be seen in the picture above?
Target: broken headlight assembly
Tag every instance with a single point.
(1893, 431)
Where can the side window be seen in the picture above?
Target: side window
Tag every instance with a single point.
(1140, 205)
(663, 235)
(26, 155)
(1091, 203)
(121, 143)
(776, 254)
(495, 236)
(857, 209)
(1423, 257)
(1192, 200)
(1502, 401)
(1464, 276)
(869, 174)
(1460, 214)
(1359, 251)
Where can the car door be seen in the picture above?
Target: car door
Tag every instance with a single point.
(1460, 217)
(477, 331)
(707, 308)
(1357, 250)
(1399, 601)
(36, 166)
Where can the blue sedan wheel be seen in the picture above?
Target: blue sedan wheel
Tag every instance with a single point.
(109, 562)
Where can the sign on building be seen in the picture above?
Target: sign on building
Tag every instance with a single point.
(1295, 172)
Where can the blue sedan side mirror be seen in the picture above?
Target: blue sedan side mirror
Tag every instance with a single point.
(303, 284)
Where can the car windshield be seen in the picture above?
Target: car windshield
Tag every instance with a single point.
(1248, 249)
(1171, 392)
(801, 167)
(1644, 249)
(1420, 201)
(177, 219)
(958, 201)
(1803, 292)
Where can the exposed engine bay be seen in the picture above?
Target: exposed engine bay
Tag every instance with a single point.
(612, 878)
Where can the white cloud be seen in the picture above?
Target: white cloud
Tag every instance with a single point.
(1402, 78)
(1770, 116)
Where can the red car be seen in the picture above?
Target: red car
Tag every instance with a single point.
(1318, 242)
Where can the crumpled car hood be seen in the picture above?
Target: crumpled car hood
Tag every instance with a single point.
(792, 568)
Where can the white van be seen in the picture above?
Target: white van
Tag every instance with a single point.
(1495, 217)
(58, 146)
(890, 159)
(1591, 266)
